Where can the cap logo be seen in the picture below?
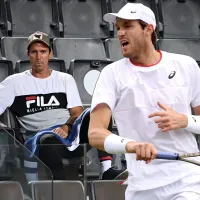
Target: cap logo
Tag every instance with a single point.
(133, 12)
(39, 36)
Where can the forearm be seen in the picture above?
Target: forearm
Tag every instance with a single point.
(71, 120)
(102, 138)
(74, 114)
(107, 141)
(97, 137)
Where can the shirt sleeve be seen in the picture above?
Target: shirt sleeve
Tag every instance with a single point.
(105, 90)
(7, 94)
(195, 84)
(73, 97)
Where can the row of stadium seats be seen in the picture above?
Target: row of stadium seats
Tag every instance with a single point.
(67, 49)
(84, 18)
(15, 48)
(62, 190)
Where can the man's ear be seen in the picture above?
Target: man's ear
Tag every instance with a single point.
(149, 29)
(51, 54)
(27, 53)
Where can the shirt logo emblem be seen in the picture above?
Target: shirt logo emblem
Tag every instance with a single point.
(172, 74)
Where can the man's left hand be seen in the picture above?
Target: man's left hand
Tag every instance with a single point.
(63, 131)
(168, 119)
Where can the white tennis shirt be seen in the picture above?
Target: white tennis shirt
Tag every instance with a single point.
(132, 93)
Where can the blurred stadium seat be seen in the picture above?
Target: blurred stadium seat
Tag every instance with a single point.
(113, 49)
(86, 74)
(78, 48)
(55, 64)
(190, 47)
(27, 17)
(116, 5)
(5, 25)
(6, 69)
(107, 190)
(11, 190)
(62, 190)
(83, 18)
(14, 48)
(181, 19)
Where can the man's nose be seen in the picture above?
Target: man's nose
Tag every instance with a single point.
(121, 32)
(38, 56)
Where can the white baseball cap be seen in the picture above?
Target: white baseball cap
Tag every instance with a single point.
(133, 11)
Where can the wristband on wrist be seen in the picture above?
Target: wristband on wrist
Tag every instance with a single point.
(115, 144)
(193, 123)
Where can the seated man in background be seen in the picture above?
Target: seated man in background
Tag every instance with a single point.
(42, 98)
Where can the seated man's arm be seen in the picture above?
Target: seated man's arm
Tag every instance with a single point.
(74, 114)
(74, 105)
(65, 129)
(197, 110)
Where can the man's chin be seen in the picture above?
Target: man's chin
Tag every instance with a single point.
(126, 55)
(39, 68)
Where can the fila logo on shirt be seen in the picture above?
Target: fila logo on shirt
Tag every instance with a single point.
(39, 103)
(172, 74)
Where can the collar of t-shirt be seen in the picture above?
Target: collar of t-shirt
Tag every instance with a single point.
(28, 72)
(147, 67)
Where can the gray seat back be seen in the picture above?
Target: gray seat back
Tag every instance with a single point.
(106, 190)
(69, 49)
(10, 190)
(113, 49)
(62, 190)
(189, 47)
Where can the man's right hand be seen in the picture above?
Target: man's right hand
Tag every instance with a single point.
(143, 151)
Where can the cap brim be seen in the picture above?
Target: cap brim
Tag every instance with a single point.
(111, 17)
(37, 40)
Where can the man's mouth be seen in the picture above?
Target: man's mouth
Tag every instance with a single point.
(124, 43)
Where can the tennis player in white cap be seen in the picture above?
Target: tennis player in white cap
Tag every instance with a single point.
(150, 94)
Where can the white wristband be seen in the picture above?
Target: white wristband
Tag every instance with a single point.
(193, 124)
(115, 144)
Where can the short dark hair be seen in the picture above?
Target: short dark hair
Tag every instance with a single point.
(154, 35)
(40, 43)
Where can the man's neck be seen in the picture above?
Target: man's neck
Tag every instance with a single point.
(43, 74)
(147, 58)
